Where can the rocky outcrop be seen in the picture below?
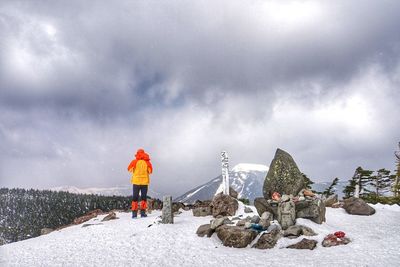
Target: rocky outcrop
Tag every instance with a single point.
(304, 244)
(313, 209)
(224, 205)
(205, 230)
(234, 236)
(268, 240)
(357, 206)
(283, 176)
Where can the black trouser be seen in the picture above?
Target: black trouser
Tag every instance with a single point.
(143, 192)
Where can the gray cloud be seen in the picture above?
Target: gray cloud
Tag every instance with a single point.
(81, 87)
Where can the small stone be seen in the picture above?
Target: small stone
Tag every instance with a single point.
(46, 231)
(267, 240)
(247, 210)
(285, 198)
(255, 219)
(219, 221)
(110, 216)
(247, 225)
(304, 244)
(205, 229)
(267, 216)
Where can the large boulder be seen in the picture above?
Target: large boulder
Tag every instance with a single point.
(262, 205)
(283, 176)
(313, 209)
(233, 193)
(304, 244)
(357, 206)
(234, 236)
(224, 205)
(268, 240)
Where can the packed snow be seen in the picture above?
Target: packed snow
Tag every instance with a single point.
(145, 242)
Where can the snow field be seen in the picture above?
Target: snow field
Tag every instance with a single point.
(127, 242)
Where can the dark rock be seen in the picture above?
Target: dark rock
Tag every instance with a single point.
(304, 244)
(268, 240)
(255, 219)
(202, 211)
(247, 210)
(313, 209)
(283, 176)
(46, 231)
(264, 223)
(241, 222)
(331, 200)
(224, 205)
(234, 236)
(357, 206)
(176, 206)
(298, 230)
(233, 193)
(110, 216)
(331, 240)
(205, 230)
(262, 205)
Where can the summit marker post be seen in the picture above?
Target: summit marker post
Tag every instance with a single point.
(225, 172)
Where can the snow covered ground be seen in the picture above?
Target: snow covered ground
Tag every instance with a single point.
(127, 242)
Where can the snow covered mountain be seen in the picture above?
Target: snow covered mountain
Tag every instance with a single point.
(246, 179)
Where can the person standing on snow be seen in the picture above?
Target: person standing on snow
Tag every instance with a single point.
(141, 169)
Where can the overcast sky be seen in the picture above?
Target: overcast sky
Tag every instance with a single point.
(84, 85)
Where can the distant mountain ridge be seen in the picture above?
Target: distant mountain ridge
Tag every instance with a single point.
(125, 190)
(248, 181)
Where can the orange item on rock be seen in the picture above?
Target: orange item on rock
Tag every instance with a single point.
(308, 193)
(276, 196)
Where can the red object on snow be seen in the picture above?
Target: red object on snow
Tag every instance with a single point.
(339, 234)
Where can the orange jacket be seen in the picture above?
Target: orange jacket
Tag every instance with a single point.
(141, 168)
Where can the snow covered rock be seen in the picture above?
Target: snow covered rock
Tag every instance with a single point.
(268, 240)
(304, 244)
(357, 206)
(219, 221)
(224, 205)
(234, 236)
(205, 229)
(283, 176)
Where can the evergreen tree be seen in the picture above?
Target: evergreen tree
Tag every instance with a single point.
(383, 182)
(330, 190)
(396, 185)
(363, 179)
(307, 181)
